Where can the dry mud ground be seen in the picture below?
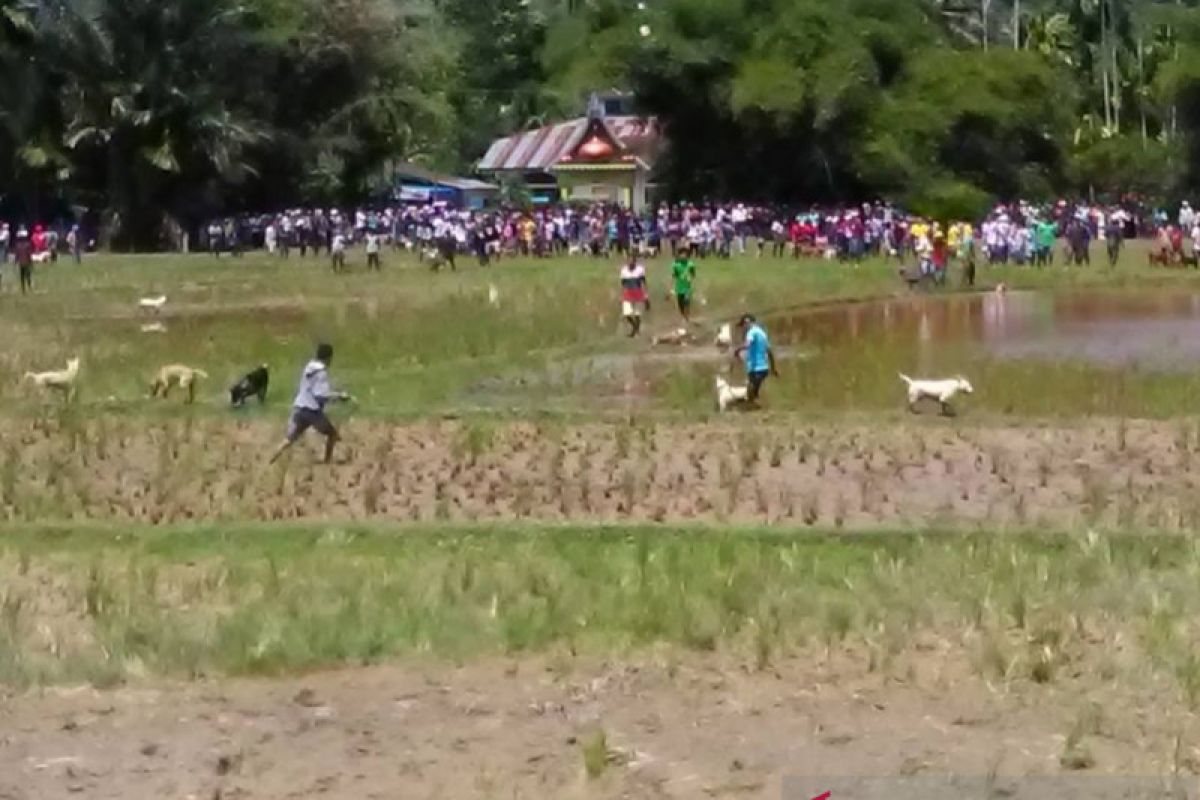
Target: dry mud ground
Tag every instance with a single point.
(676, 726)
(910, 473)
(696, 727)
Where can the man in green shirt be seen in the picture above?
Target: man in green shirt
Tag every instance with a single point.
(1044, 234)
(684, 272)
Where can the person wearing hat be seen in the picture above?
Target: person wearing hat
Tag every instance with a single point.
(758, 356)
(308, 409)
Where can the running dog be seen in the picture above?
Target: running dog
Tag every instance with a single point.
(253, 384)
(176, 375)
(62, 380)
(730, 396)
(942, 391)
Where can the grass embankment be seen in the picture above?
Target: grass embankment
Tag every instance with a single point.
(104, 604)
(408, 340)
(411, 342)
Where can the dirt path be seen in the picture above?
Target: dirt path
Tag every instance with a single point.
(676, 727)
(909, 474)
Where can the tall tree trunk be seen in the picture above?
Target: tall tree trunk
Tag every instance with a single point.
(1116, 84)
(1174, 107)
(985, 8)
(1141, 57)
(1102, 56)
(1016, 23)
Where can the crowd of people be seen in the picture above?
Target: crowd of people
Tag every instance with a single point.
(1018, 233)
(26, 246)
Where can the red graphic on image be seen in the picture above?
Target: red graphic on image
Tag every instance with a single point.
(825, 796)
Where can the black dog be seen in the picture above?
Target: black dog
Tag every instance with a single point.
(253, 384)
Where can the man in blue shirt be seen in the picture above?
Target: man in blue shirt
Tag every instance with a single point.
(759, 357)
(308, 409)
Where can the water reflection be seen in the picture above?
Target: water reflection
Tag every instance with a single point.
(1154, 329)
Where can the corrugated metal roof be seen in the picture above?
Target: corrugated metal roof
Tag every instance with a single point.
(410, 170)
(541, 148)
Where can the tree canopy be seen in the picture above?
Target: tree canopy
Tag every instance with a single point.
(151, 112)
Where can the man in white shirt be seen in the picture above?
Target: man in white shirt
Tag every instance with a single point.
(373, 250)
(337, 251)
(308, 409)
(740, 218)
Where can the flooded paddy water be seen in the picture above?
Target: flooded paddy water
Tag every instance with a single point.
(1067, 353)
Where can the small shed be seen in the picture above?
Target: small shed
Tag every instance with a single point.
(412, 183)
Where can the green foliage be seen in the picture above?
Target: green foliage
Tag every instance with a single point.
(949, 199)
(1125, 164)
(162, 113)
(158, 113)
(968, 120)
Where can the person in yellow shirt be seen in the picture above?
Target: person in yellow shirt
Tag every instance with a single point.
(919, 231)
(952, 237)
(527, 227)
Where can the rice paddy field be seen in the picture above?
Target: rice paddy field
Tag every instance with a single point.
(543, 565)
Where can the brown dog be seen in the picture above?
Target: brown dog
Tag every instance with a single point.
(176, 375)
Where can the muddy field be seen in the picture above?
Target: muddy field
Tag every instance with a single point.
(915, 473)
(660, 727)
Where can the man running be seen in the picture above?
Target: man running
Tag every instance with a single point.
(759, 357)
(308, 409)
(633, 294)
(684, 272)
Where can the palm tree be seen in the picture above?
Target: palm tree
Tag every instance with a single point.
(1052, 35)
(29, 155)
(967, 20)
(152, 104)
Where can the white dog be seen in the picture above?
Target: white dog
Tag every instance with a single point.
(62, 380)
(154, 304)
(725, 337)
(728, 396)
(942, 391)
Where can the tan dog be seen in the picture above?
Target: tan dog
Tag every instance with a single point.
(677, 338)
(176, 375)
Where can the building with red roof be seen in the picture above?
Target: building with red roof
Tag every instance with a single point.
(601, 157)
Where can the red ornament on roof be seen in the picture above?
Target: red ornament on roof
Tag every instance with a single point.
(595, 147)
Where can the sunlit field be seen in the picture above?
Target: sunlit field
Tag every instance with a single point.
(521, 484)
(411, 342)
